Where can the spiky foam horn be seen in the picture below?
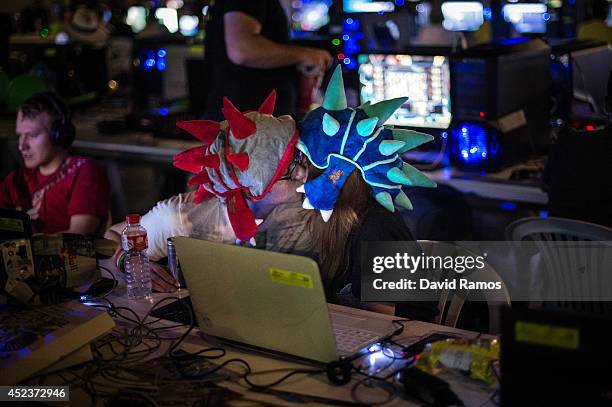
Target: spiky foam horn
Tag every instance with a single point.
(335, 98)
(267, 107)
(240, 125)
(383, 110)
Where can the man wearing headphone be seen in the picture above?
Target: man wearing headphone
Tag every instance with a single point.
(61, 193)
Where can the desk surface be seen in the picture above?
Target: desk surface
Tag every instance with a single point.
(314, 389)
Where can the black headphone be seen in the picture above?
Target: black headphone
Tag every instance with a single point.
(62, 132)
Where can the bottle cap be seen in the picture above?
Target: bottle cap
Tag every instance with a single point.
(132, 218)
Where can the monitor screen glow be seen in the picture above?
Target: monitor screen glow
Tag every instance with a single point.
(309, 15)
(425, 80)
(462, 16)
(367, 6)
(526, 17)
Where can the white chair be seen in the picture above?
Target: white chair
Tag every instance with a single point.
(451, 302)
(546, 233)
(556, 230)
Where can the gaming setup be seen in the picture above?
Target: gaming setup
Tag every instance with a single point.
(464, 97)
(467, 98)
(547, 358)
(484, 104)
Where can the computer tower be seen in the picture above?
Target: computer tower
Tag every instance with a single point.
(579, 70)
(160, 75)
(500, 93)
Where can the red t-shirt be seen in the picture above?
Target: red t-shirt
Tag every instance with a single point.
(78, 187)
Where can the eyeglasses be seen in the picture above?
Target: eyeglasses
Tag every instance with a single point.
(297, 159)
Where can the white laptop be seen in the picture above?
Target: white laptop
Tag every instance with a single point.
(269, 300)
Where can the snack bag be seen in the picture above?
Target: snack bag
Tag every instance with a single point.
(476, 357)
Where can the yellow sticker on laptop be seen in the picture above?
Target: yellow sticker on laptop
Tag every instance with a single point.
(290, 278)
(547, 335)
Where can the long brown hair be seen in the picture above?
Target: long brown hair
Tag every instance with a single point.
(332, 238)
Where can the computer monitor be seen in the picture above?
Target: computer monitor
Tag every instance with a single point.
(527, 18)
(368, 6)
(462, 15)
(424, 79)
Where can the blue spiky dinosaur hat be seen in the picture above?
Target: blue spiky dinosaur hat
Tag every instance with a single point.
(340, 140)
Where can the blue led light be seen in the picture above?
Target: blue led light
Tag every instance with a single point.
(546, 16)
(507, 206)
(351, 36)
(444, 134)
(163, 111)
(543, 214)
(149, 64)
(487, 13)
(350, 24)
(471, 143)
(399, 2)
(513, 41)
(161, 53)
(161, 65)
(351, 48)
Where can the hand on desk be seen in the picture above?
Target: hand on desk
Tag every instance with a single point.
(161, 279)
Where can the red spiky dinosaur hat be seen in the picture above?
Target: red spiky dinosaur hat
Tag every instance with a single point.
(241, 158)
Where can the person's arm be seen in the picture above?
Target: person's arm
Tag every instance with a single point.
(114, 232)
(161, 222)
(161, 279)
(247, 47)
(83, 224)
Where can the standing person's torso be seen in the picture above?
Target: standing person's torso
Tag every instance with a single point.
(247, 87)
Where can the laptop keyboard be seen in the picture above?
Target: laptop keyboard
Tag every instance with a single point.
(351, 340)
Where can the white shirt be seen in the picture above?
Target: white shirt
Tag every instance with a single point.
(284, 229)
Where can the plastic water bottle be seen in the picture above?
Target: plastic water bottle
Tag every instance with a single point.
(137, 269)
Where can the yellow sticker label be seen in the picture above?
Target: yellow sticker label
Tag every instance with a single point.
(290, 278)
(547, 335)
(197, 50)
(13, 225)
